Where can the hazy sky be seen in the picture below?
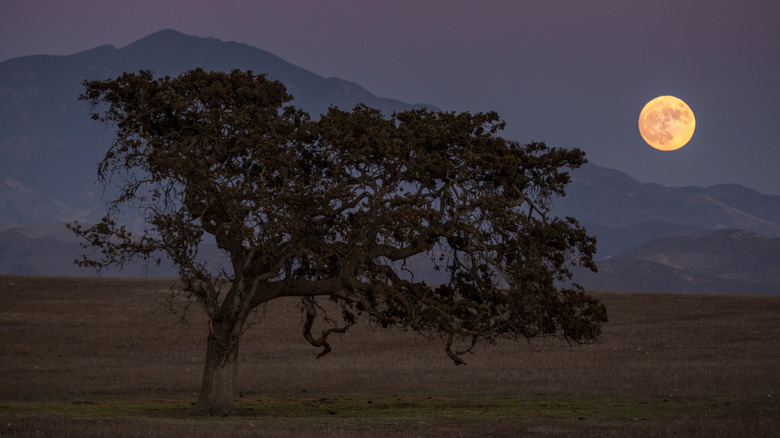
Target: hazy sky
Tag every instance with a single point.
(571, 73)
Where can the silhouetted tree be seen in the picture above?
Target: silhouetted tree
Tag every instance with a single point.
(334, 209)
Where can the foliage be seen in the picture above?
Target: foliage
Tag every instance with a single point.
(341, 208)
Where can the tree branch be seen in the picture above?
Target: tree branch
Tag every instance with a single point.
(322, 341)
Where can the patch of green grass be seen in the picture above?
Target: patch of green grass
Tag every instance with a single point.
(100, 407)
(372, 408)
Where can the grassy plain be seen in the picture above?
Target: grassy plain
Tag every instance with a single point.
(102, 357)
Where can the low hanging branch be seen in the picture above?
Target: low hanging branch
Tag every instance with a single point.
(322, 341)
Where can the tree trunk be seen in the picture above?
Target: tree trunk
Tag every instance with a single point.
(219, 373)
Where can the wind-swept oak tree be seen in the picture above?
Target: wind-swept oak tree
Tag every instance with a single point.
(333, 209)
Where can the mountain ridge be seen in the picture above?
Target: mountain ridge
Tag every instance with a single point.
(726, 254)
(612, 198)
(42, 122)
(635, 275)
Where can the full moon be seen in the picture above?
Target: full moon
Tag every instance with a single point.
(666, 123)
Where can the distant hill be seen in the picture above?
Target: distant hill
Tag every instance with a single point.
(51, 250)
(633, 275)
(50, 146)
(21, 204)
(614, 240)
(613, 199)
(726, 254)
(724, 261)
(22, 252)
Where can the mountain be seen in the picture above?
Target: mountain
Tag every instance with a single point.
(18, 201)
(720, 239)
(634, 275)
(50, 146)
(613, 199)
(51, 249)
(622, 212)
(723, 261)
(614, 240)
(726, 254)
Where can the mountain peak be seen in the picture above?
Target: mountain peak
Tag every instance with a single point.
(171, 43)
(42, 122)
(164, 36)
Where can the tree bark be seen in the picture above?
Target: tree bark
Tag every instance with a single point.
(219, 373)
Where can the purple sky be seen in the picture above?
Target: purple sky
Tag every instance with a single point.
(571, 73)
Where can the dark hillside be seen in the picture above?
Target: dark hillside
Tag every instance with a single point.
(721, 262)
(727, 254)
(50, 146)
(611, 198)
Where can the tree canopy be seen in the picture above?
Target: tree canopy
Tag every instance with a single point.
(339, 208)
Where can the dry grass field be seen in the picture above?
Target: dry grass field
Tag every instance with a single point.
(101, 357)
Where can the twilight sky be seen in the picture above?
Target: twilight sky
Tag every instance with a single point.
(571, 73)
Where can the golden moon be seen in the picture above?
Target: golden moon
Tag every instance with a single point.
(667, 123)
